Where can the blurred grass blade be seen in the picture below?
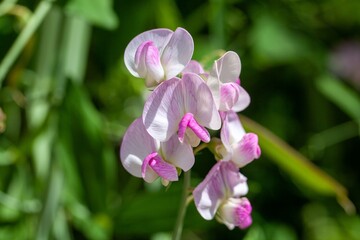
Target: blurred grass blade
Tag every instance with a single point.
(52, 202)
(99, 12)
(16, 48)
(334, 135)
(337, 92)
(297, 165)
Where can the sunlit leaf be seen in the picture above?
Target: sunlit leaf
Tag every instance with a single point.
(297, 165)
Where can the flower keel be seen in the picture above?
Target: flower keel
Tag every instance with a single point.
(162, 168)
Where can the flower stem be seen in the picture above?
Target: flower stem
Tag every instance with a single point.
(182, 210)
(200, 147)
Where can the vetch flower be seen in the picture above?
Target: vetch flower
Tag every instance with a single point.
(159, 54)
(223, 181)
(147, 158)
(238, 146)
(235, 212)
(224, 84)
(183, 107)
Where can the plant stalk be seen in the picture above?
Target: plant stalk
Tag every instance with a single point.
(183, 205)
(24, 37)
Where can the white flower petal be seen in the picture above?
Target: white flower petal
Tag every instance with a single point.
(232, 131)
(243, 100)
(131, 154)
(164, 109)
(160, 37)
(177, 53)
(200, 102)
(179, 154)
(228, 67)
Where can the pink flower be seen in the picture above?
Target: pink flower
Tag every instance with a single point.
(235, 212)
(147, 158)
(223, 82)
(239, 146)
(224, 181)
(183, 107)
(159, 54)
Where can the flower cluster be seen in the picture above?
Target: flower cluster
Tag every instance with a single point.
(185, 102)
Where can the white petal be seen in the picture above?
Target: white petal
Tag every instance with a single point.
(214, 85)
(177, 53)
(131, 154)
(160, 37)
(243, 101)
(199, 101)
(179, 154)
(193, 67)
(164, 109)
(209, 193)
(228, 67)
(232, 131)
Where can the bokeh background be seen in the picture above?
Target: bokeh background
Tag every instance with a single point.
(67, 99)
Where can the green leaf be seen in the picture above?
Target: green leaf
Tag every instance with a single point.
(297, 165)
(344, 97)
(98, 12)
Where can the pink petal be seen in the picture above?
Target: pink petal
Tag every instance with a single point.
(170, 101)
(131, 155)
(247, 150)
(177, 53)
(179, 154)
(188, 121)
(155, 71)
(229, 95)
(235, 212)
(223, 181)
(148, 65)
(157, 164)
(164, 109)
(159, 37)
(199, 101)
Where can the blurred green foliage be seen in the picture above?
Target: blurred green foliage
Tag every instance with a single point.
(66, 99)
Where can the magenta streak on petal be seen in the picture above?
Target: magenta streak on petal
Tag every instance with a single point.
(183, 125)
(140, 51)
(146, 162)
(238, 81)
(162, 168)
(189, 121)
(243, 214)
(250, 147)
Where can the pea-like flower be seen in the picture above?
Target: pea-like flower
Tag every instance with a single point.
(238, 146)
(219, 195)
(224, 84)
(235, 212)
(159, 54)
(147, 158)
(183, 107)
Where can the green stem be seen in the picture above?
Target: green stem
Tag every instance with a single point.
(24, 37)
(182, 210)
(200, 147)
